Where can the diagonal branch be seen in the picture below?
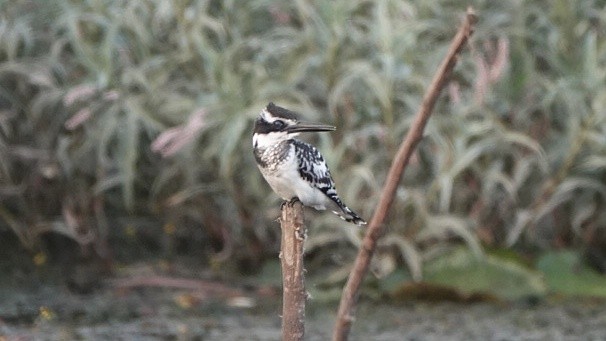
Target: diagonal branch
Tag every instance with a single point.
(349, 297)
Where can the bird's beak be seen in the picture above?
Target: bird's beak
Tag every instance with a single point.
(305, 126)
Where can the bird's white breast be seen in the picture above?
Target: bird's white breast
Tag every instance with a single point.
(285, 180)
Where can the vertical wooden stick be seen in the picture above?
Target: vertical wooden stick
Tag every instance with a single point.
(292, 251)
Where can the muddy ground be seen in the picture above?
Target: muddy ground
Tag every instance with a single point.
(150, 301)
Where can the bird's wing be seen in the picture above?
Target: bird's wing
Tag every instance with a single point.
(312, 167)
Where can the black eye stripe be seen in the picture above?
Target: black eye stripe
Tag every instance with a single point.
(262, 126)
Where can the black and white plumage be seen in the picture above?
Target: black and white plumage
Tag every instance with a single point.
(293, 168)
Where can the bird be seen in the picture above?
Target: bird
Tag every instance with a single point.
(295, 170)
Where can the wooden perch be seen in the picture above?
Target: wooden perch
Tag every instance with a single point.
(349, 297)
(292, 251)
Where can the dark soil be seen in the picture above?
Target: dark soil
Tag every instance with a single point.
(37, 303)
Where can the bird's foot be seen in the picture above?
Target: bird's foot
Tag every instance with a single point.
(290, 202)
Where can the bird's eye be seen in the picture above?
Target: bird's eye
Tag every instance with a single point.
(279, 124)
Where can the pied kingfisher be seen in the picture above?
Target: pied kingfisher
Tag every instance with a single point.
(295, 169)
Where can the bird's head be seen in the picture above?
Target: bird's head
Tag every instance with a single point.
(276, 124)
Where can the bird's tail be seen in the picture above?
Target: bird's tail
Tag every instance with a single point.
(344, 212)
(350, 216)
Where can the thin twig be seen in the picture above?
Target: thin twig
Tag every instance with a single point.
(214, 288)
(294, 295)
(349, 297)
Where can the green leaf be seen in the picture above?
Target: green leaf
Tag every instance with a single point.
(565, 273)
(469, 274)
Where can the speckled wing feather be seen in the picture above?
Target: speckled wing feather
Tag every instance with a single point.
(312, 166)
(313, 169)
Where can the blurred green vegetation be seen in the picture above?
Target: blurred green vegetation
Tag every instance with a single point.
(122, 117)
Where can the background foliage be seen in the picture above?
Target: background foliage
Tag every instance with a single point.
(122, 117)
